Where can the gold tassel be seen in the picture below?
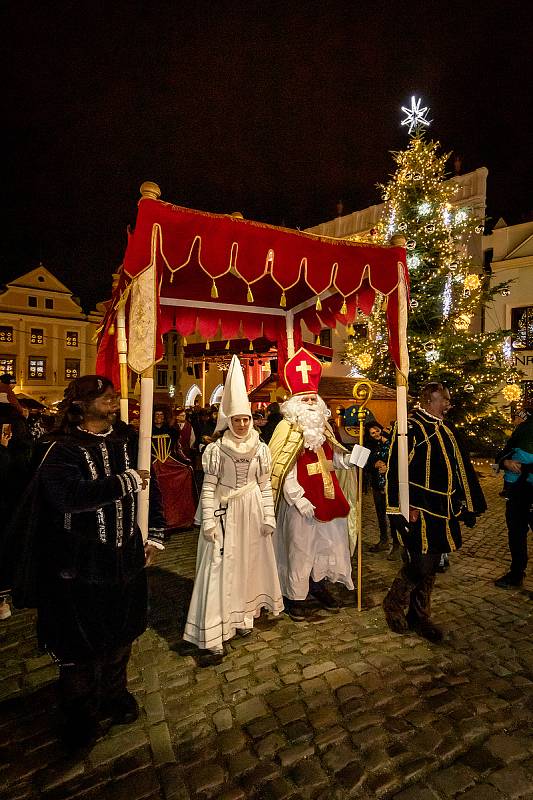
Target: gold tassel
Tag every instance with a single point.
(214, 290)
(283, 301)
(207, 345)
(227, 345)
(317, 340)
(318, 304)
(350, 330)
(112, 329)
(344, 307)
(251, 345)
(137, 390)
(171, 277)
(185, 342)
(249, 295)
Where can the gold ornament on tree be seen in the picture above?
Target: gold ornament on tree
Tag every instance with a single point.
(472, 282)
(512, 392)
(364, 360)
(462, 323)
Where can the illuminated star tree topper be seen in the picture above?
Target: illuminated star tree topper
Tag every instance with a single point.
(415, 117)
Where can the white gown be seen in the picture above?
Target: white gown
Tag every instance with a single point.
(306, 547)
(236, 574)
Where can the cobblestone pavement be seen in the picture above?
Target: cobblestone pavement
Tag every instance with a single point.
(333, 709)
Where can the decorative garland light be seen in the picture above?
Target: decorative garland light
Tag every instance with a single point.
(512, 392)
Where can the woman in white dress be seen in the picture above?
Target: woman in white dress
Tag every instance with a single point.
(236, 573)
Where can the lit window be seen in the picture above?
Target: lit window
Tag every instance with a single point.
(32, 301)
(7, 365)
(522, 327)
(6, 333)
(48, 303)
(37, 336)
(72, 339)
(72, 369)
(37, 368)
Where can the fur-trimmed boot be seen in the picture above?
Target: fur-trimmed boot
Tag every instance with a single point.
(396, 601)
(419, 614)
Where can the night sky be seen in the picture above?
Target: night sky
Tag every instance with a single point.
(274, 109)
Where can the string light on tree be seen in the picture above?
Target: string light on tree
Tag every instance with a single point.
(512, 392)
(446, 293)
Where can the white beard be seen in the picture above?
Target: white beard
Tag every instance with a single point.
(311, 419)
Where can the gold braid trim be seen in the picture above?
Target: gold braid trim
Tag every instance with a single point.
(449, 536)
(462, 471)
(423, 532)
(286, 445)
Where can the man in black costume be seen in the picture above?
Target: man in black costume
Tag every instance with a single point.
(443, 491)
(92, 582)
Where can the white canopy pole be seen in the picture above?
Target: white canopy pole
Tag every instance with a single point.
(289, 326)
(143, 305)
(401, 387)
(122, 347)
(144, 459)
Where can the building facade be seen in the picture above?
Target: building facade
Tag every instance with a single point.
(46, 339)
(509, 255)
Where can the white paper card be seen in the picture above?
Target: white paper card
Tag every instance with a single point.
(359, 455)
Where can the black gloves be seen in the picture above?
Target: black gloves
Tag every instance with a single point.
(400, 523)
(468, 518)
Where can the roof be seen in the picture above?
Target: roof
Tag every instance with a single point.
(330, 388)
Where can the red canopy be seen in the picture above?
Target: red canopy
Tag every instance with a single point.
(219, 273)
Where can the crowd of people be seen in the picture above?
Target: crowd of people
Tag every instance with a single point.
(269, 495)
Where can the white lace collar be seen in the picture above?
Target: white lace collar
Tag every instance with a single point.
(238, 446)
(92, 433)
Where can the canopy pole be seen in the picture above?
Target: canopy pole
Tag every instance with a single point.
(289, 327)
(402, 375)
(149, 190)
(122, 347)
(145, 445)
(362, 393)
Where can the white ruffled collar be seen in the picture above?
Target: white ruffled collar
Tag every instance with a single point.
(240, 447)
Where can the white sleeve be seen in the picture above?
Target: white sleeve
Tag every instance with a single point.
(208, 502)
(292, 491)
(193, 438)
(341, 460)
(268, 504)
(211, 465)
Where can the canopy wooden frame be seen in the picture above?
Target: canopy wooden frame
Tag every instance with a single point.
(320, 272)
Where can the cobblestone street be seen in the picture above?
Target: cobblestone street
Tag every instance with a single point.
(333, 709)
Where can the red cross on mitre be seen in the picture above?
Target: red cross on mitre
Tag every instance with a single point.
(302, 373)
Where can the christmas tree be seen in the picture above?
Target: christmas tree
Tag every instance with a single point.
(447, 293)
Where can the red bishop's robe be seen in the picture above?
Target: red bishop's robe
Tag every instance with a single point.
(329, 500)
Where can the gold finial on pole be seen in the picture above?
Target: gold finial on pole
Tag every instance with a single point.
(362, 393)
(151, 190)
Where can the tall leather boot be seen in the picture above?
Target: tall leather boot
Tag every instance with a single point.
(396, 601)
(419, 614)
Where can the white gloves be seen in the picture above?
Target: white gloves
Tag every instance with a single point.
(209, 533)
(305, 507)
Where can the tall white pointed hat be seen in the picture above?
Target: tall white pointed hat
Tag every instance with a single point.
(234, 397)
